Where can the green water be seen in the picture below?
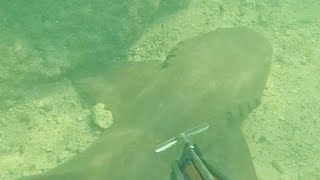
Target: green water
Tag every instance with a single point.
(44, 121)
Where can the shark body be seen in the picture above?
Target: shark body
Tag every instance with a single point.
(217, 78)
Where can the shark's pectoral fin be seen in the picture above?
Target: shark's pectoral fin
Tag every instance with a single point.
(123, 153)
(116, 84)
(240, 111)
(228, 155)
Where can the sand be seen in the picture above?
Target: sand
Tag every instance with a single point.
(45, 124)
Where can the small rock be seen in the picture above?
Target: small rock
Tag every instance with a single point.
(21, 149)
(262, 139)
(59, 160)
(47, 148)
(24, 117)
(303, 62)
(281, 118)
(3, 122)
(98, 132)
(277, 166)
(101, 117)
(47, 107)
(79, 119)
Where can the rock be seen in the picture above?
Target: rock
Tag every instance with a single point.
(101, 117)
(277, 166)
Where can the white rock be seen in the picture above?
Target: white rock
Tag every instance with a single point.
(101, 117)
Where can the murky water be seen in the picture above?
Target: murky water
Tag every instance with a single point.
(45, 119)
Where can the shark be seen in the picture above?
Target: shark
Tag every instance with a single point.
(216, 78)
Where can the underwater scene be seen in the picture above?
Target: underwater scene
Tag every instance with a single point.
(160, 89)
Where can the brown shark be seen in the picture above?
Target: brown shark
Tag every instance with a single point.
(217, 78)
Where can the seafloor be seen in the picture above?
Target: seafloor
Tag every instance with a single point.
(43, 122)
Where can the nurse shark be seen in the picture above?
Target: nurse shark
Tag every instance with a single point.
(216, 78)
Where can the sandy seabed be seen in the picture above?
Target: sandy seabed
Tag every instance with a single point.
(283, 134)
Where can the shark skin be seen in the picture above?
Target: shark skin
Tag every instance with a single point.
(217, 78)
